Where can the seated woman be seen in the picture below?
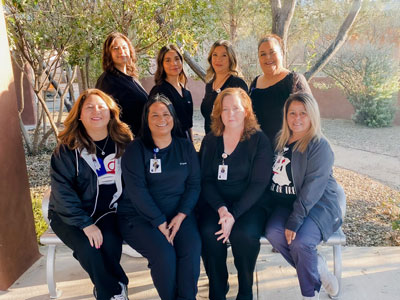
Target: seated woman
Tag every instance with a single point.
(162, 177)
(235, 159)
(304, 195)
(171, 81)
(85, 187)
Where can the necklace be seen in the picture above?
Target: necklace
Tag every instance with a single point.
(221, 83)
(105, 144)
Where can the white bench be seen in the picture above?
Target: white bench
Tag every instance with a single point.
(50, 239)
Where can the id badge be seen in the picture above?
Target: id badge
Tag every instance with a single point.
(155, 165)
(222, 172)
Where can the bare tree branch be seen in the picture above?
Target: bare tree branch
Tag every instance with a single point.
(338, 42)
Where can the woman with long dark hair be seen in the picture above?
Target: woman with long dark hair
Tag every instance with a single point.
(170, 80)
(120, 79)
(162, 176)
(86, 186)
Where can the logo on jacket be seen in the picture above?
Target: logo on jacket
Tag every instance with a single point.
(106, 169)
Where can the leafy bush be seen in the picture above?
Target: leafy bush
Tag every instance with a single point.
(369, 76)
(40, 224)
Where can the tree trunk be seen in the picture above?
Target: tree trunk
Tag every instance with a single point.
(195, 66)
(338, 42)
(232, 21)
(83, 85)
(87, 62)
(71, 100)
(281, 18)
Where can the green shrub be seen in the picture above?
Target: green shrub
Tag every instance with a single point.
(40, 223)
(369, 76)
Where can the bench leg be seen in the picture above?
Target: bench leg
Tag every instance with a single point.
(50, 265)
(337, 268)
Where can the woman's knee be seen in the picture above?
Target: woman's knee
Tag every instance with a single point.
(301, 245)
(274, 234)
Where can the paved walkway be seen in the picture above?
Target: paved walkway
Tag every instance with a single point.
(382, 167)
(368, 274)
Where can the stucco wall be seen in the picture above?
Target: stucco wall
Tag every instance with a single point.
(332, 102)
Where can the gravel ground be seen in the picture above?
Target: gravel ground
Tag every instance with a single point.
(371, 206)
(377, 140)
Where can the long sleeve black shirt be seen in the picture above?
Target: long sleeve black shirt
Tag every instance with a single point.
(183, 105)
(210, 96)
(128, 93)
(159, 197)
(249, 173)
(268, 103)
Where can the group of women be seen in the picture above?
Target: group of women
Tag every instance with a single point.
(173, 205)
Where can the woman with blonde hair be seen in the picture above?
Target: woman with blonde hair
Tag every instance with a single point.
(86, 186)
(235, 157)
(222, 73)
(120, 79)
(304, 195)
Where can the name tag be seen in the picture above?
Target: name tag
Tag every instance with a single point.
(155, 165)
(222, 172)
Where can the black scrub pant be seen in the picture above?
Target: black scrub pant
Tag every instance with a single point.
(103, 264)
(245, 242)
(175, 269)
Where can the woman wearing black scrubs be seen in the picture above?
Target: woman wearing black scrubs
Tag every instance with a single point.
(170, 81)
(120, 79)
(221, 74)
(162, 184)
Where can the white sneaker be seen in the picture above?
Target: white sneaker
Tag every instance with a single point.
(328, 280)
(316, 296)
(124, 290)
(118, 297)
(123, 295)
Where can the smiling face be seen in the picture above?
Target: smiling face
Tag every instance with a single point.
(220, 60)
(160, 120)
(95, 115)
(172, 63)
(270, 57)
(233, 112)
(120, 52)
(298, 120)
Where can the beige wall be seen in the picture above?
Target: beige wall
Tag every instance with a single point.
(18, 246)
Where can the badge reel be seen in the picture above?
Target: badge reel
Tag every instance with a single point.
(155, 163)
(223, 169)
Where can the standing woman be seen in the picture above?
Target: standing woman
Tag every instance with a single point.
(170, 81)
(270, 90)
(235, 161)
(120, 79)
(162, 176)
(85, 187)
(305, 195)
(221, 74)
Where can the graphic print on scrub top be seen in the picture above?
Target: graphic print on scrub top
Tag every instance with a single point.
(106, 169)
(282, 182)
